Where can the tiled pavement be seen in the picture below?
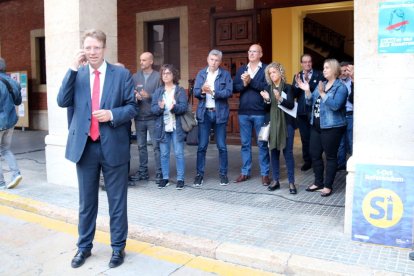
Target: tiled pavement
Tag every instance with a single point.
(247, 214)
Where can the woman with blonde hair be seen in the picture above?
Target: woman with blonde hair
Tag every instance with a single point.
(328, 123)
(282, 125)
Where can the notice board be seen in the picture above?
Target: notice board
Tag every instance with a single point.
(23, 109)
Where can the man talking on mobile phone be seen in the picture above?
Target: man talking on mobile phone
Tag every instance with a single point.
(101, 97)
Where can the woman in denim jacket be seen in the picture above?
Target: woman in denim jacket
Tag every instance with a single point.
(169, 102)
(328, 124)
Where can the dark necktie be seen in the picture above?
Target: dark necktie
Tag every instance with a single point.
(94, 131)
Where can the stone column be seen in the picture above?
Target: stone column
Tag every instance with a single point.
(383, 108)
(65, 21)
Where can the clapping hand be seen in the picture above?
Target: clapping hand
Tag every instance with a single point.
(245, 78)
(350, 69)
(304, 85)
(265, 95)
(321, 89)
(161, 104)
(277, 94)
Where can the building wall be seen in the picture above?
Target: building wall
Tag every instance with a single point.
(198, 28)
(18, 18)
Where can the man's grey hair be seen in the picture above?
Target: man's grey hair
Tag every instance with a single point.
(215, 52)
(2, 65)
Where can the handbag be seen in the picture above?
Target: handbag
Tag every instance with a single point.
(192, 137)
(188, 121)
(264, 133)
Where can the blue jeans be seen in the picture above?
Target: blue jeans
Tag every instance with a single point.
(178, 152)
(142, 127)
(203, 137)
(304, 130)
(246, 124)
(346, 141)
(5, 152)
(288, 154)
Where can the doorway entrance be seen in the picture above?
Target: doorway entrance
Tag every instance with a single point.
(289, 26)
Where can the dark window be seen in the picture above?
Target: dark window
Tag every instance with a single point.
(41, 57)
(164, 42)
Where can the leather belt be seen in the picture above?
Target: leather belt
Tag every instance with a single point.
(92, 141)
(211, 109)
(349, 113)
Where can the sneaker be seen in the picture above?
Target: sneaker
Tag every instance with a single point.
(131, 183)
(138, 176)
(163, 183)
(16, 180)
(180, 185)
(198, 181)
(2, 184)
(224, 181)
(158, 178)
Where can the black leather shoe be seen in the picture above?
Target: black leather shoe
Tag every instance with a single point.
(273, 186)
(292, 189)
(341, 168)
(309, 189)
(80, 258)
(323, 194)
(306, 167)
(117, 258)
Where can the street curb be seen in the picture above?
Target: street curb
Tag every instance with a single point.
(249, 256)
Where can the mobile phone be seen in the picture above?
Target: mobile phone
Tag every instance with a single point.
(139, 87)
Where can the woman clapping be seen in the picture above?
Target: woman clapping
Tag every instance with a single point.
(328, 124)
(282, 126)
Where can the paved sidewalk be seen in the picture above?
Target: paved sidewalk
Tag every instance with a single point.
(241, 223)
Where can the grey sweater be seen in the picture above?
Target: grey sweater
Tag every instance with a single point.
(152, 83)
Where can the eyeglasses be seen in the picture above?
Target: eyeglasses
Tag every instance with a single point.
(95, 49)
(253, 52)
(166, 73)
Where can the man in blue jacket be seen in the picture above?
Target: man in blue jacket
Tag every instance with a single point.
(213, 86)
(101, 96)
(249, 82)
(10, 96)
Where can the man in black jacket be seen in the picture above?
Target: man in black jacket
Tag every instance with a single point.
(313, 77)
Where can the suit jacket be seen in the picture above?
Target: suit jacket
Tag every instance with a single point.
(117, 96)
(299, 94)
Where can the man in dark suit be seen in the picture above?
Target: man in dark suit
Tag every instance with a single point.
(313, 77)
(101, 98)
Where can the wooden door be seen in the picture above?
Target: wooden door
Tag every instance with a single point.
(232, 63)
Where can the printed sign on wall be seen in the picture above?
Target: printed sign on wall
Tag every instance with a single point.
(396, 27)
(383, 205)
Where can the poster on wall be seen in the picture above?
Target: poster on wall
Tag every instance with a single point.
(383, 205)
(396, 27)
(23, 109)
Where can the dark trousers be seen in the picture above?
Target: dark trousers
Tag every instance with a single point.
(304, 130)
(325, 141)
(116, 183)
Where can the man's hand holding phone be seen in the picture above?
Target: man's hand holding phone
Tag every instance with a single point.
(79, 60)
